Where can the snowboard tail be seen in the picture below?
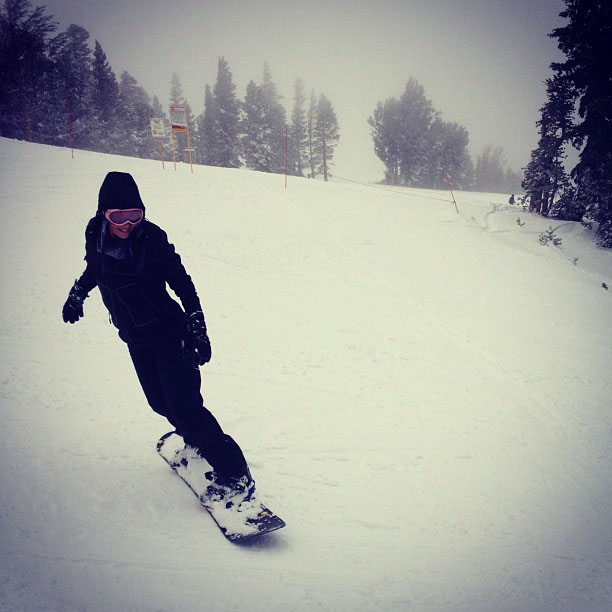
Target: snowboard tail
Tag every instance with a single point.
(238, 524)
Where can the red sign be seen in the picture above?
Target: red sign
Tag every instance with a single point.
(178, 119)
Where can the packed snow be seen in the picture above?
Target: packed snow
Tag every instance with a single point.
(424, 396)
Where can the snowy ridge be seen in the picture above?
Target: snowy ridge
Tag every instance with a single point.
(423, 396)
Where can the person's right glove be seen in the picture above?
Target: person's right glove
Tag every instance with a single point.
(73, 308)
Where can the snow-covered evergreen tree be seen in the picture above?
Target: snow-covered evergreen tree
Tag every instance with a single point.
(326, 135)
(545, 179)
(385, 124)
(263, 126)
(416, 116)
(313, 159)
(24, 63)
(401, 134)
(298, 132)
(177, 96)
(227, 118)
(207, 125)
(274, 122)
(255, 146)
(587, 43)
(136, 112)
(416, 146)
(73, 81)
(105, 97)
(447, 158)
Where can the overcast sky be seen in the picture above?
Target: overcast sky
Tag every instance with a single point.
(482, 62)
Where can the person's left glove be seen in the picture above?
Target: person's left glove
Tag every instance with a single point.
(196, 347)
(73, 308)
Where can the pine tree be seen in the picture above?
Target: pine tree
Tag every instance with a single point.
(385, 124)
(136, 112)
(70, 112)
(207, 123)
(177, 96)
(105, 88)
(298, 134)
(24, 34)
(73, 85)
(587, 43)
(402, 136)
(227, 118)
(416, 116)
(158, 110)
(254, 138)
(52, 97)
(545, 177)
(416, 146)
(313, 158)
(447, 158)
(326, 134)
(105, 96)
(263, 126)
(274, 122)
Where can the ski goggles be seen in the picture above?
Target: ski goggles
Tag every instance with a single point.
(118, 216)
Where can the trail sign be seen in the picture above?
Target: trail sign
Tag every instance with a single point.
(178, 119)
(158, 128)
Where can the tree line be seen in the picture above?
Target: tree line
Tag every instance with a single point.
(55, 90)
(419, 149)
(578, 112)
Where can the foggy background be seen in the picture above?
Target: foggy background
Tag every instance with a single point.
(482, 63)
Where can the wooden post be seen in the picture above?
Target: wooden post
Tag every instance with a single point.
(447, 180)
(189, 149)
(161, 153)
(173, 149)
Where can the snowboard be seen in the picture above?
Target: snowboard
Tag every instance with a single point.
(238, 524)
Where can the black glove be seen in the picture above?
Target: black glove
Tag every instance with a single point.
(196, 346)
(73, 308)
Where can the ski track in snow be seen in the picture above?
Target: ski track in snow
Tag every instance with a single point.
(423, 396)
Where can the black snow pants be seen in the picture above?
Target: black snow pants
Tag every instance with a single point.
(172, 389)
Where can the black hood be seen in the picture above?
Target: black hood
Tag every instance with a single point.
(119, 190)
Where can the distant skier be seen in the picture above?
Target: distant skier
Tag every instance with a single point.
(131, 261)
(511, 200)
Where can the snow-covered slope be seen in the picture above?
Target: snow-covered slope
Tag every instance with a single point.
(423, 396)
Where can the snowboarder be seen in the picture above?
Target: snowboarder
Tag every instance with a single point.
(131, 260)
(511, 200)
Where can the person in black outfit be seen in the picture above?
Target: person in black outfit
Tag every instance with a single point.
(131, 261)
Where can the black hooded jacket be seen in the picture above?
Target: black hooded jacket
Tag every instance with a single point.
(132, 273)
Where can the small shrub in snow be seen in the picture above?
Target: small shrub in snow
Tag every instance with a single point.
(549, 236)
